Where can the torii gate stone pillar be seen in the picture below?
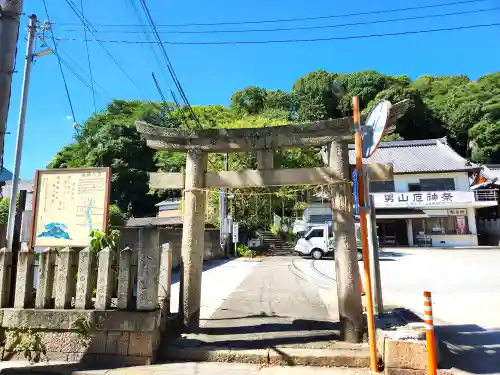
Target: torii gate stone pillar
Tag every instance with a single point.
(193, 238)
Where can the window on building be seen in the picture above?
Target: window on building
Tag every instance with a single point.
(414, 187)
(382, 186)
(437, 184)
(440, 225)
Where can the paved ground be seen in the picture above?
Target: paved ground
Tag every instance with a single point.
(191, 368)
(466, 296)
(281, 303)
(220, 279)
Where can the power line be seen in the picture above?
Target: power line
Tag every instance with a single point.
(382, 11)
(87, 25)
(59, 62)
(169, 64)
(300, 28)
(350, 37)
(137, 14)
(80, 78)
(69, 61)
(88, 60)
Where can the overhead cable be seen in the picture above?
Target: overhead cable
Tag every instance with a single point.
(169, 64)
(87, 25)
(88, 60)
(59, 61)
(294, 40)
(298, 19)
(361, 23)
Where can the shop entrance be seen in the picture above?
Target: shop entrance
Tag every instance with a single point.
(392, 232)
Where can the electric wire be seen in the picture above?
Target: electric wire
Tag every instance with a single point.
(88, 60)
(296, 40)
(70, 61)
(169, 64)
(412, 18)
(59, 61)
(299, 19)
(137, 14)
(87, 26)
(80, 78)
(66, 59)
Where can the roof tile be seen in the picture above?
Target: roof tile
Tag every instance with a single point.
(430, 155)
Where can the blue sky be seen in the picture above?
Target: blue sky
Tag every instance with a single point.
(211, 73)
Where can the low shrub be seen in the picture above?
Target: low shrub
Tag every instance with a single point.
(245, 251)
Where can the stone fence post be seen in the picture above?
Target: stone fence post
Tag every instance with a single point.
(165, 277)
(45, 279)
(23, 296)
(105, 279)
(86, 278)
(125, 279)
(148, 266)
(65, 279)
(5, 275)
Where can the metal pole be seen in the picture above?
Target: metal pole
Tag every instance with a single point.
(363, 212)
(374, 259)
(429, 334)
(20, 130)
(223, 211)
(9, 33)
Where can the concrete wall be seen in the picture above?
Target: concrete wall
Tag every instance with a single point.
(130, 238)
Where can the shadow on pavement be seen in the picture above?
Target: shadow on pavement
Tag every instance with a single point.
(384, 254)
(470, 348)
(300, 333)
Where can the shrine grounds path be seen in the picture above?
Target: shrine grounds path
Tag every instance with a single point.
(258, 303)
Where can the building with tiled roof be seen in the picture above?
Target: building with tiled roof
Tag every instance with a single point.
(430, 155)
(428, 202)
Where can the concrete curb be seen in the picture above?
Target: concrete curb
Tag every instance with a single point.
(357, 357)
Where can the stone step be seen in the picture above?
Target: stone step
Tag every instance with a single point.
(344, 356)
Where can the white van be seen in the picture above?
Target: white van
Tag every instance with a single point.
(319, 242)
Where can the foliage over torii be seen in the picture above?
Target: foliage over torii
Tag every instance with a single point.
(467, 112)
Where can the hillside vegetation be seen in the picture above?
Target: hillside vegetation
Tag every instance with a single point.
(467, 112)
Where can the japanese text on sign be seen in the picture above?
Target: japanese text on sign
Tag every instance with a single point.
(423, 198)
(69, 204)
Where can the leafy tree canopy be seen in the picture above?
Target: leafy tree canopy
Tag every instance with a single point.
(467, 112)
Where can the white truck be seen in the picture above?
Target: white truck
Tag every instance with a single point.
(319, 242)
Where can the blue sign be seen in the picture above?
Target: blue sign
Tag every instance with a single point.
(355, 192)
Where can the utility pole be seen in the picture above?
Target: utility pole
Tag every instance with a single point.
(10, 14)
(20, 130)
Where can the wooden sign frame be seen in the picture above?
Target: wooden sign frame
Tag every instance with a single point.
(36, 196)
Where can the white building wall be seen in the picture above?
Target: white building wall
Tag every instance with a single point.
(401, 181)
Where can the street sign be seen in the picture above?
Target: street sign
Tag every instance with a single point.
(236, 229)
(355, 192)
(373, 129)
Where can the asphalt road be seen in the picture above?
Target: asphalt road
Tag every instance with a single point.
(465, 286)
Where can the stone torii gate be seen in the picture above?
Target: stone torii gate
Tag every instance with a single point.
(198, 143)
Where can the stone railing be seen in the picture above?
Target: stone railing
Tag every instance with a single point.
(82, 288)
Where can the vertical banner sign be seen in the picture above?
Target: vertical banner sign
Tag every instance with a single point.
(236, 229)
(355, 192)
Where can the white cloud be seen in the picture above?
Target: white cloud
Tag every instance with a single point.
(69, 117)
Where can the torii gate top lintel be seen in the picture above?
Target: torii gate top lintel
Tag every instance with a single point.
(310, 134)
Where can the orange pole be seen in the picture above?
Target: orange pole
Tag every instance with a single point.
(364, 238)
(429, 334)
